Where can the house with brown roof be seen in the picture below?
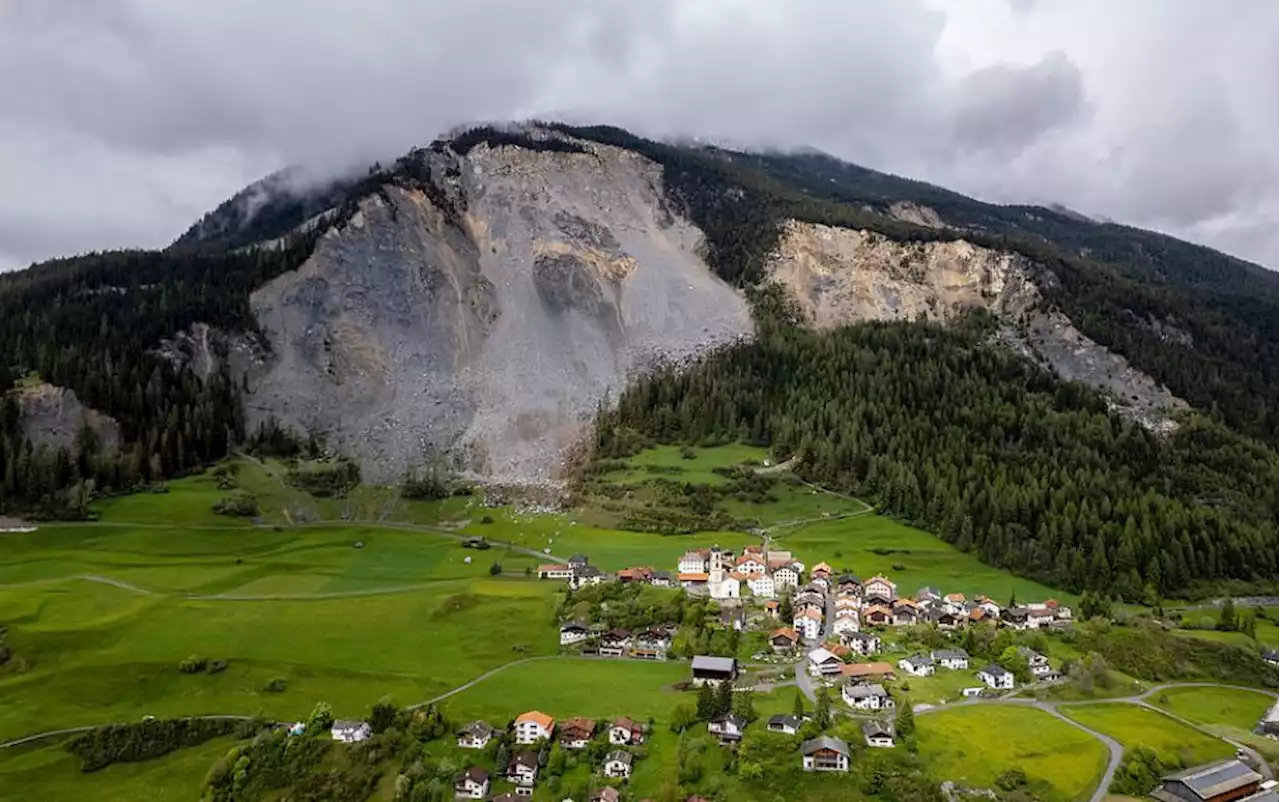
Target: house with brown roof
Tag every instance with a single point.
(784, 640)
(615, 642)
(618, 764)
(523, 771)
(867, 671)
(879, 587)
(475, 735)
(625, 732)
(472, 784)
(771, 608)
(534, 726)
(576, 733)
(877, 616)
(808, 623)
(554, 571)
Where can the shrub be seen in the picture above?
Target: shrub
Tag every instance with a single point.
(241, 504)
(488, 519)
(216, 666)
(275, 685)
(127, 743)
(495, 569)
(193, 665)
(899, 567)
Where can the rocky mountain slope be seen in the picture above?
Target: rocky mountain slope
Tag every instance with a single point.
(481, 297)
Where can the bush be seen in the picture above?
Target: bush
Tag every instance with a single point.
(193, 665)
(241, 504)
(216, 666)
(127, 743)
(488, 519)
(899, 567)
(275, 685)
(325, 480)
(495, 569)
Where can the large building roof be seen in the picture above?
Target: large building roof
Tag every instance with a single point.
(724, 664)
(1214, 779)
(824, 742)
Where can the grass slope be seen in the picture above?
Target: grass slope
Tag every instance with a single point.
(976, 744)
(1133, 725)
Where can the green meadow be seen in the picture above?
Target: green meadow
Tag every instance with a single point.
(1133, 725)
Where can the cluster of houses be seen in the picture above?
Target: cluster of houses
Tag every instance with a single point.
(652, 643)
(535, 727)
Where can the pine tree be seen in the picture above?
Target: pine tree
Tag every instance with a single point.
(797, 704)
(706, 703)
(822, 709)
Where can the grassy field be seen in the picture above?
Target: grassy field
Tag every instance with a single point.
(49, 774)
(872, 544)
(1227, 712)
(666, 461)
(976, 744)
(1133, 725)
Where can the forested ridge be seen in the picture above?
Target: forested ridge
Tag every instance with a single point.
(966, 439)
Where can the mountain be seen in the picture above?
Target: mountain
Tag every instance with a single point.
(489, 297)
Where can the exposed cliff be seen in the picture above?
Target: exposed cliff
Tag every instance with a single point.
(841, 276)
(53, 416)
(490, 323)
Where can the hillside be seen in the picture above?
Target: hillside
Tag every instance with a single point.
(480, 299)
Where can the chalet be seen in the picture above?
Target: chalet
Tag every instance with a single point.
(954, 603)
(785, 724)
(554, 571)
(695, 581)
(825, 753)
(904, 614)
(847, 604)
(808, 623)
(1039, 616)
(605, 794)
(578, 560)
(771, 608)
(824, 663)
(636, 574)
(880, 587)
(1014, 617)
(838, 649)
(617, 764)
(734, 618)
(785, 577)
(917, 665)
(867, 671)
(625, 732)
(878, 733)
(1038, 664)
(784, 640)
(849, 585)
(876, 615)
(727, 727)
(951, 658)
(349, 731)
(978, 615)
(714, 670)
(861, 642)
(809, 600)
(762, 585)
(475, 735)
(750, 564)
(651, 644)
(661, 579)
(694, 562)
(942, 618)
(534, 726)
(573, 632)
(1211, 782)
(586, 575)
(864, 696)
(472, 784)
(845, 622)
(991, 608)
(523, 770)
(996, 677)
(928, 596)
(576, 733)
(820, 571)
(615, 642)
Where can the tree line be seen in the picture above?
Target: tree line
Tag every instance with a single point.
(970, 441)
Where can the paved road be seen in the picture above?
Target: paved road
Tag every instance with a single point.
(805, 682)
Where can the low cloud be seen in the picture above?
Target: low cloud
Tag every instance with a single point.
(133, 117)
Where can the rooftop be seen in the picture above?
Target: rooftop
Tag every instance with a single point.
(705, 663)
(825, 742)
(1213, 779)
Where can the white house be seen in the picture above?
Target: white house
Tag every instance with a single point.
(786, 577)
(1038, 663)
(749, 564)
(917, 665)
(573, 632)
(475, 735)
(534, 726)
(554, 571)
(989, 607)
(623, 732)
(848, 604)
(954, 603)
(951, 658)
(809, 624)
(824, 663)
(825, 753)
(762, 585)
(996, 677)
(845, 623)
(694, 562)
(878, 734)
(472, 784)
(350, 732)
(1040, 616)
(785, 723)
(727, 727)
(523, 771)
(861, 642)
(880, 587)
(617, 764)
(866, 697)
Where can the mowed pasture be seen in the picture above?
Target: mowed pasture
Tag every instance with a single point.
(976, 744)
(1227, 712)
(1133, 725)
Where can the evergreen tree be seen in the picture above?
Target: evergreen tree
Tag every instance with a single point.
(1228, 620)
(706, 703)
(797, 704)
(822, 709)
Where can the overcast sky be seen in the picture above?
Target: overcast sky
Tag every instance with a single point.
(122, 121)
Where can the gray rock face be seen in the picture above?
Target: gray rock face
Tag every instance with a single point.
(52, 416)
(491, 338)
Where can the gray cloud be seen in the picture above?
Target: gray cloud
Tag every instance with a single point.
(133, 117)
